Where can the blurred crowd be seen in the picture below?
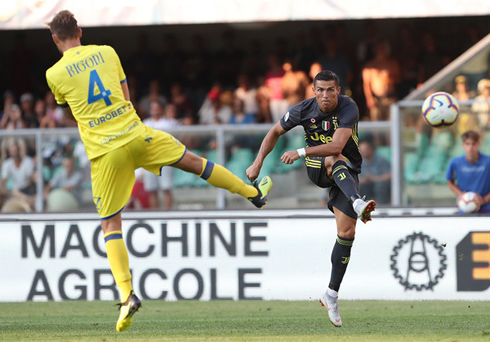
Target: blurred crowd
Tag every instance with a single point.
(255, 84)
(230, 85)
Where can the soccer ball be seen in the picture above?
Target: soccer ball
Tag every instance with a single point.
(468, 203)
(440, 109)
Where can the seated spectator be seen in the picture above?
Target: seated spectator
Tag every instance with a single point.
(239, 116)
(140, 198)
(273, 79)
(20, 169)
(182, 104)
(375, 178)
(481, 106)
(158, 118)
(8, 101)
(152, 182)
(315, 68)
(55, 113)
(294, 83)
(263, 100)
(154, 94)
(12, 118)
(212, 110)
(462, 92)
(27, 111)
(248, 94)
(63, 191)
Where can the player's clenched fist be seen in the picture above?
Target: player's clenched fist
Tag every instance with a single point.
(290, 156)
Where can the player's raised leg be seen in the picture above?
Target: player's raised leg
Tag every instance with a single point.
(221, 177)
(346, 183)
(117, 255)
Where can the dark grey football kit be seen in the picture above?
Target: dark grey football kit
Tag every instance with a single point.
(319, 128)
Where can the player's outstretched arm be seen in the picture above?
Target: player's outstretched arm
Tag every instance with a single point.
(266, 147)
(333, 148)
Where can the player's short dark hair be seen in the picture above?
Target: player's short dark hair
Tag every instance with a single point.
(475, 136)
(326, 75)
(64, 25)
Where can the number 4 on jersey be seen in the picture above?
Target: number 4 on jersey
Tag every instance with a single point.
(103, 93)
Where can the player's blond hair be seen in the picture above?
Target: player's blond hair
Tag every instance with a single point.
(64, 25)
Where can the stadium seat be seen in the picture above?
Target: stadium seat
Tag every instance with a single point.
(385, 152)
(239, 161)
(293, 142)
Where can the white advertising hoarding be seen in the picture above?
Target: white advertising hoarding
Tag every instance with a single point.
(27, 14)
(236, 257)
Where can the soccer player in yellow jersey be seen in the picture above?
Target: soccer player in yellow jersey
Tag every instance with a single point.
(89, 82)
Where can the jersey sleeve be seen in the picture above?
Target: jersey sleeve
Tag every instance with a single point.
(57, 95)
(292, 118)
(349, 116)
(450, 174)
(122, 75)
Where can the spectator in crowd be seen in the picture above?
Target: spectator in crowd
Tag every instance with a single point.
(471, 172)
(20, 169)
(152, 183)
(45, 120)
(263, 100)
(54, 112)
(40, 112)
(248, 95)
(182, 104)
(481, 106)
(380, 78)
(213, 111)
(375, 178)
(273, 80)
(466, 119)
(140, 198)
(315, 68)
(63, 192)
(12, 118)
(238, 113)
(462, 91)
(294, 83)
(27, 111)
(154, 94)
(8, 101)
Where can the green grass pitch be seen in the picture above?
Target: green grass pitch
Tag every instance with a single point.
(248, 321)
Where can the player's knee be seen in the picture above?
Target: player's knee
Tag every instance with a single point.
(347, 231)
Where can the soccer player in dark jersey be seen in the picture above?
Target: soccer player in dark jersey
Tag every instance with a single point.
(333, 160)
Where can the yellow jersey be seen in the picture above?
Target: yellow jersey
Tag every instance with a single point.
(88, 79)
